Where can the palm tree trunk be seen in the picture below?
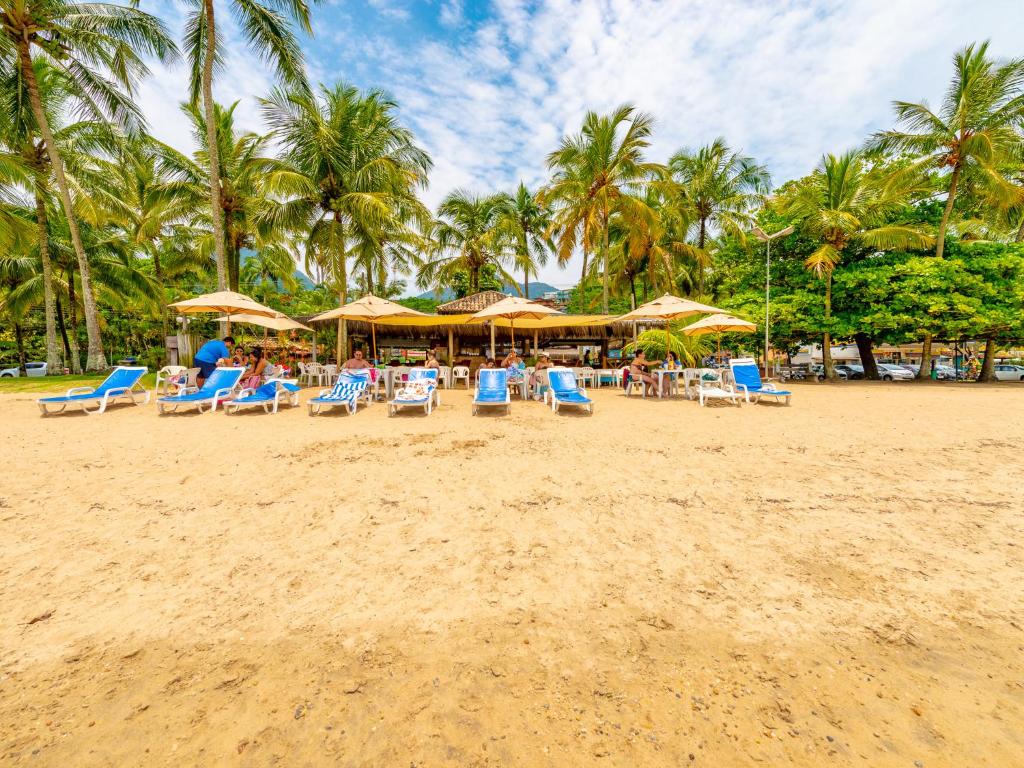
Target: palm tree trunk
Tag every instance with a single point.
(234, 258)
(54, 366)
(76, 358)
(925, 371)
(605, 265)
(95, 360)
(19, 340)
(582, 288)
(988, 365)
(341, 269)
(826, 346)
(940, 243)
(1020, 232)
(702, 237)
(63, 330)
(214, 154)
(526, 279)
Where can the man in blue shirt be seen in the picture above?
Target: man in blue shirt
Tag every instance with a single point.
(210, 354)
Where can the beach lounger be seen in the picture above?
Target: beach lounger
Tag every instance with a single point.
(219, 386)
(748, 381)
(268, 395)
(420, 391)
(711, 387)
(347, 391)
(491, 390)
(564, 390)
(120, 383)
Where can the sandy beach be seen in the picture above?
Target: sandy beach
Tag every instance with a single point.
(834, 583)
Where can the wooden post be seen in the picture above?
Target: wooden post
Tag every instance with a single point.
(451, 347)
(493, 355)
(536, 347)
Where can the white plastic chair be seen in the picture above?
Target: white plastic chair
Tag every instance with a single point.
(165, 376)
(460, 372)
(710, 386)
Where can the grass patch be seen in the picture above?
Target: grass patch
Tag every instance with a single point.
(59, 384)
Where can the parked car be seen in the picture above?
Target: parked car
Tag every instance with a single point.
(851, 371)
(32, 369)
(818, 371)
(890, 372)
(1007, 372)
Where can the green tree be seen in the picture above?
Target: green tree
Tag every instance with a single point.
(847, 201)
(98, 47)
(352, 172)
(596, 173)
(526, 222)
(722, 189)
(467, 236)
(267, 28)
(974, 127)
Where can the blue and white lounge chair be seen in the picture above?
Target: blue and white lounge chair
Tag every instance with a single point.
(565, 390)
(491, 390)
(120, 383)
(219, 386)
(347, 391)
(268, 395)
(432, 374)
(420, 392)
(748, 381)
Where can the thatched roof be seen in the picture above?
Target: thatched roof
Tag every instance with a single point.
(471, 304)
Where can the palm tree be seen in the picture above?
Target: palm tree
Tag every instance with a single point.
(467, 235)
(27, 153)
(847, 201)
(527, 221)
(973, 128)
(97, 47)
(722, 189)
(268, 31)
(596, 172)
(352, 172)
(248, 178)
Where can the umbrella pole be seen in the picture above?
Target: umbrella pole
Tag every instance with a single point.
(373, 334)
(512, 326)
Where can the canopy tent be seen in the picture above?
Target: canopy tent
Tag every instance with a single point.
(719, 324)
(668, 308)
(370, 309)
(511, 309)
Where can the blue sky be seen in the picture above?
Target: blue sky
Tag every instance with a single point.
(489, 87)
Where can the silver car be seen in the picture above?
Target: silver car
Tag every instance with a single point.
(32, 369)
(890, 372)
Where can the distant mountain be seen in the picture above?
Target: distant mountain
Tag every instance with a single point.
(536, 291)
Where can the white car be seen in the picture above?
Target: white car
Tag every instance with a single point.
(33, 369)
(1007, 372)
(890, 372)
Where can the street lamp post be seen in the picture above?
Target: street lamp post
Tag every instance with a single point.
(767, 239)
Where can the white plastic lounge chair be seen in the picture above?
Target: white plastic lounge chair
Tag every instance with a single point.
(491, 390)
(420, 392)
(711, 387)
(120, 383)
(168, 376)
(269, 395)
(350, 387)
(220, 385)
(564, 390)
(748, 381)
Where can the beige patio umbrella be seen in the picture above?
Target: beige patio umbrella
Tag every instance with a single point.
(719, 324)
(225, 302)
(280, 323)
(369, 309)
(668, 308)
(512, 308)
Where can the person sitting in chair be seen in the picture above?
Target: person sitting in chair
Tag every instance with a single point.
(638, 370)
(356, 362)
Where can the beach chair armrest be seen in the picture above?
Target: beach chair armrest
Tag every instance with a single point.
(222, 392)
(324, 392)
(79, 391)
(744, 388)
(244, 393)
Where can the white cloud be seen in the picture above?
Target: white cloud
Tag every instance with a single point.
(785, 80)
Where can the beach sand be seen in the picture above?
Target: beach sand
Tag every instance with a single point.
(836, 583)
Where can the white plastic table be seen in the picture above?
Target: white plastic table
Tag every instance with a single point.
(673, 382)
